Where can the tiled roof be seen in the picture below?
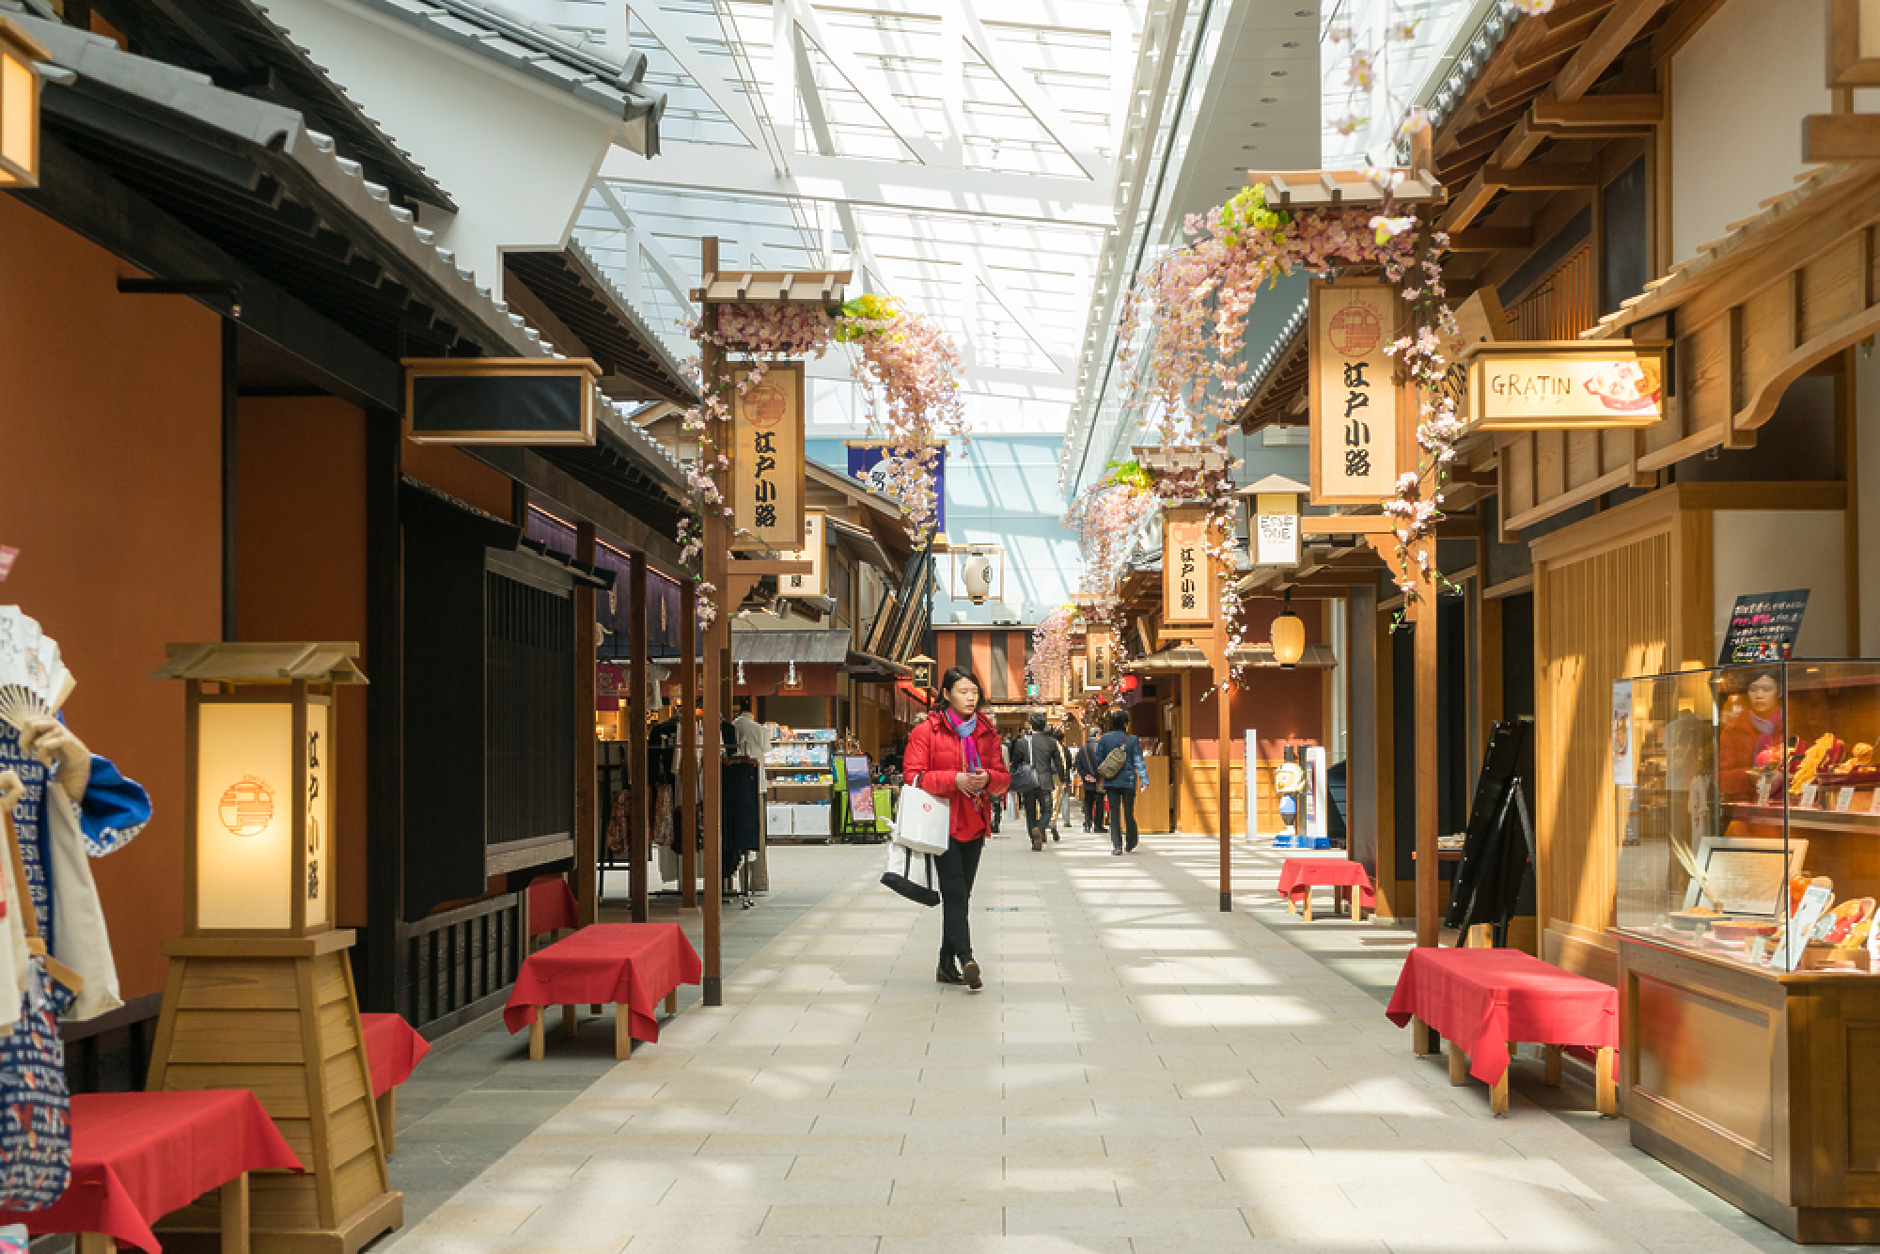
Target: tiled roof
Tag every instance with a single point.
(545, 54)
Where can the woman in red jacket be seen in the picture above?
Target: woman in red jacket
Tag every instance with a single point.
(954, 754)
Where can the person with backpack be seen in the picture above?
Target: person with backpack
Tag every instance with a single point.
(1035, 766)
(1120, 766)
(1095, 817)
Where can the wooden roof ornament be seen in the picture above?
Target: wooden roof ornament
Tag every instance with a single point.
(264, 662)
(774, 287)
(1340, 189)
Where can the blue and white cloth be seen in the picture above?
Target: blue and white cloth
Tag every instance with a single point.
(35, 1104)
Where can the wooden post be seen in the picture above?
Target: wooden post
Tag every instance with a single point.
(639, 764)
(1428, 871)
(587, 858)
(1224, 760)
(717, 644)
(688, 744)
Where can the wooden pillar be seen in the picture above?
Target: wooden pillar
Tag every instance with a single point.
(587, 857)
(1224, 809)
(716, 558)
(1429, 871)
(385, 716)
(639, 763)
(688, 744)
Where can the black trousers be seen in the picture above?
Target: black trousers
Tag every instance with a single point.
(1037, 810)
(1122, 814)
(1095, 816)
(957, 868)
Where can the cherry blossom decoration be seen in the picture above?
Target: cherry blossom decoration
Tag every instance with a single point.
(908, 371)
(1051, 648)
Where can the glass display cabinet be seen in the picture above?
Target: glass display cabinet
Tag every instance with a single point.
(1747, 813)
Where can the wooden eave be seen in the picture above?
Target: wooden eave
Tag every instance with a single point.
(1279, 400)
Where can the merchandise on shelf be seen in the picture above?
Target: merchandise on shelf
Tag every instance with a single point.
(1747, 812)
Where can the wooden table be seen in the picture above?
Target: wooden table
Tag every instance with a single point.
(629, 966)
(136, 1157)
(1345, 878)
(1483, 1001)
(393, 1051)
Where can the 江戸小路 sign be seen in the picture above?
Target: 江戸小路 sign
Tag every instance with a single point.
(767, 456)
(1552, 385)
(1098, 658)
(1187, 567)
(1352, 393)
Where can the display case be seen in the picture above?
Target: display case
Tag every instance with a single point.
(800, 770)
(1747, 813)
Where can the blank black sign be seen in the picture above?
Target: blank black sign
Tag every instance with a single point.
(497, 405)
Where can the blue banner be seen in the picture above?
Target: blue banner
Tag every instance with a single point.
(866, 459)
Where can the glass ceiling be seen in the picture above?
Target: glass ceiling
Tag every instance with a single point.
(958, 154)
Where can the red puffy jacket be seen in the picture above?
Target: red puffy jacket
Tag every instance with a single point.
(933, 758)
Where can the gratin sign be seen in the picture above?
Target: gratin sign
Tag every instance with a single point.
(1561, 385)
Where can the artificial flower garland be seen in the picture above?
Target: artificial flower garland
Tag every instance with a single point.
(908, 371)
(1051, 650)
(1197, 298)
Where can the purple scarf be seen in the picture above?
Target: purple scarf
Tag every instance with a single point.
(966, 729)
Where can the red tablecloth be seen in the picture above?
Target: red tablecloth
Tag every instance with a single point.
(551, 905)
(635, 964)
(1298, 875)
(1484, 998)
(138, 1156)
(393, 1048)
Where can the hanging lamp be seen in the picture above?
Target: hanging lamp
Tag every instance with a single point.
(1289, 636)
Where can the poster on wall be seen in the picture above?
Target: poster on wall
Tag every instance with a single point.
(861, 788)
(1624, 750)
(1352, 392)
(1763, 627)
(1187, 568)
(873, 462)
(1318, 831)
(767, 457)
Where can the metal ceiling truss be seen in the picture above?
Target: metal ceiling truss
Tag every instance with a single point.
(957, 154)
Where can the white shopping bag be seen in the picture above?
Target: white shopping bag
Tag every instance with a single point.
(920, 821)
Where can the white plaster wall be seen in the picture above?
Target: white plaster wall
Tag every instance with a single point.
(516, 156)
(1739, 91)
(1866, 489)
(1774, 550)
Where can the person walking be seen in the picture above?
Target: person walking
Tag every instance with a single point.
(997, 808)
(1095, 819)
(954, 754)
(1035, 765)
(1120, 790)
(1061, 791)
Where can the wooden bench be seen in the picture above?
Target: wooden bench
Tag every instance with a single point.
(630, 966)
(1346, 879)
(1483, 1002)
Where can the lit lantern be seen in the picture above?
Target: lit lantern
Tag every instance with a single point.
(1273, 521)
(19, 106)
(1289, 636)
(258, 791)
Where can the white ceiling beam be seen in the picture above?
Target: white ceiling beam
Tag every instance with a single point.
(824, 139)
(728, 102)
(783, 48)
(866, 79)
(1036, 102)
(859, 181)
(1026, 323)
(646, 247)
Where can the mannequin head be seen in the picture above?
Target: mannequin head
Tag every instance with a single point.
(960, 689)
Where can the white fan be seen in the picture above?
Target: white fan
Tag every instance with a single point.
(33, 680)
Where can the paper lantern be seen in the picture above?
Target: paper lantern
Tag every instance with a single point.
(1289, 636)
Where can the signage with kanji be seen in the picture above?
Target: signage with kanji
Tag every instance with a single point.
(1352, 391)
(767, 457)
(1187, 569)
(1098, 658)
(814, 547)
(1763, 627)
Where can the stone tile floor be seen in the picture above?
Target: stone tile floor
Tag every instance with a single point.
(1141, 1074)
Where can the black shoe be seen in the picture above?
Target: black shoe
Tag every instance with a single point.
(947, 975)
(1116, 853)
(1059, 839)
(971, 973)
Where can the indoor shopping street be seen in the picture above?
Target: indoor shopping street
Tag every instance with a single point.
(939, 626)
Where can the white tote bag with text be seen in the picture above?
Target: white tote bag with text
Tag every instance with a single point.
(920, 821)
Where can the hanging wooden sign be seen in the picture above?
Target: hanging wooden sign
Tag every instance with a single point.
(767, 458)
(1187, 570)
(815, 529)
(1099, 657)
(1548, 385)
(1353, 398)
(500, 400)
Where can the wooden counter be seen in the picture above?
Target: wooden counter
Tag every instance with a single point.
(1760, 1087)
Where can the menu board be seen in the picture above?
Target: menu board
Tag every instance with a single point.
(861, 788)
(1763, 627)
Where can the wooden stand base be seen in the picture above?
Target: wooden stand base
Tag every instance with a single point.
(570, 1028)
(279, 1017)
